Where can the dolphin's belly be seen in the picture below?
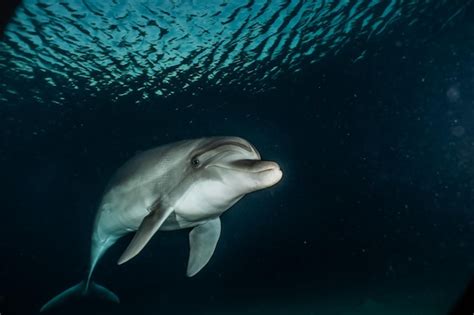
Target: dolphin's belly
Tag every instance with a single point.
(176, 222)
(198, 205)
(122, 211)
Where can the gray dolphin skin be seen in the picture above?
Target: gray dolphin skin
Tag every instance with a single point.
(186, 184)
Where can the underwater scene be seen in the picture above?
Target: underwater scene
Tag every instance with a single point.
(237, 157)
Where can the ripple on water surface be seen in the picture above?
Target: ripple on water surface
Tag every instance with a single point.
(161, 47)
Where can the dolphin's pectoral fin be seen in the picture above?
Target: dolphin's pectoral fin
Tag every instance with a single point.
(150, 224)
(202, 242)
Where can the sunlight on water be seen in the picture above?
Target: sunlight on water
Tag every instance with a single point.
(158, 48)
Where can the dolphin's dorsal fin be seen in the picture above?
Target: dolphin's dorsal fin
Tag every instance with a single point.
(150, 224)
(202, 242)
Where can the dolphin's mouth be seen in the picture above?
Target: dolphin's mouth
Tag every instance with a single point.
(249, 166)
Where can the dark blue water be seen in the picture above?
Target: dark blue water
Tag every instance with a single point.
(367, 105)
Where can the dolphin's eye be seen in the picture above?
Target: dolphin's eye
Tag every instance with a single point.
(195, 162)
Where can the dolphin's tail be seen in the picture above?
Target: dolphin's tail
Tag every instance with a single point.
(80, 290)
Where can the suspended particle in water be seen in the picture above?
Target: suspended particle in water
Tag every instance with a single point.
(458, 131)
(453, 94)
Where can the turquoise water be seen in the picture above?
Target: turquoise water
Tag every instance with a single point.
(176, 46)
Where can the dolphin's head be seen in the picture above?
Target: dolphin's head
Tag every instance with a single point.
(221, 170)
(235, 163)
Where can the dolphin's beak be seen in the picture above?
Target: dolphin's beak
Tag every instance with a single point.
(249, 166)
(254, 166)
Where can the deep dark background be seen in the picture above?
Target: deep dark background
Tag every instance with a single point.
(376, 200)
(7, 9)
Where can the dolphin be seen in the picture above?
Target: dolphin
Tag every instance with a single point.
(182, 185)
